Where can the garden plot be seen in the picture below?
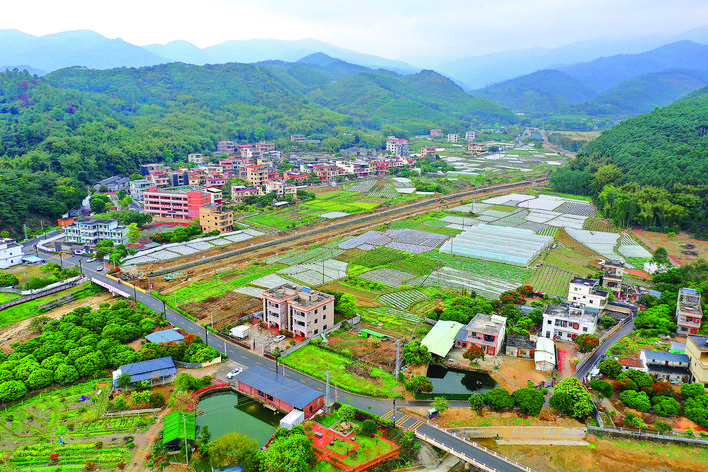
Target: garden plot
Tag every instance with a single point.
(568, 221)
(577, 208)
(543, 202)
(316, 273)
(387, 311)
(334, 215)
(602, 243)
(382, 191)
(630, 248)
(363, 186)
(390, 277)
(403, 299)
(538, 228)
(269, 281)
(252, 232)
(251, 291)
(462, 279)
(405, 190)
(512, 220)
(505, 199)
(237, 238)
(408, 240)
(402, 182)
(184, 250)
(473, 207)
(314, 255)
(458, 220)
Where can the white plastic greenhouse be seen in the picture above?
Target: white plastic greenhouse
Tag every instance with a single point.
(498, 244)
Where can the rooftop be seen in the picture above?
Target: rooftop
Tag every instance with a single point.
(582, 281)
(660, 356)
(95, 221)
(164, 336)
(303, 296)
(630, 362)
(175, 426)
(441, 337)
(484, 323)
(574, 311)
(185, 189)
(701, 342)
(520, 341)
(284, 388)
(690, 291)
(148, 370)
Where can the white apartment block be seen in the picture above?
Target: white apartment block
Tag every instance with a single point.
(470, 135)
(299, 309)
(197, 159)
(92, 230)
(585, 291)
(565, 322)
(398, 147)
(137, 188)
(10, 253)
(453, 138)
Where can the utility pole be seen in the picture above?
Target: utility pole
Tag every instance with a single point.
(398, 358)
(328, 395)
(164, 309)
(186, 445)
(394, 410)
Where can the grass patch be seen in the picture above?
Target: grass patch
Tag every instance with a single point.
(504, 208)
(490, 269)
(379, 257)
(315, 361)
(216, 286)
(6, 297)
(29, 309)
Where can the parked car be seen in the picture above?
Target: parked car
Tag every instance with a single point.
(93, 259)
(234, 373)
(279, 338)
(99, 268)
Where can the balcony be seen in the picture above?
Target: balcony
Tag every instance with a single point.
(693, 322)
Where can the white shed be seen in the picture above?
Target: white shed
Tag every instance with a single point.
(239, 332)
(544, 356)
(292, 419)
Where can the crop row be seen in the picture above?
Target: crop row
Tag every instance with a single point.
(384, 310)
(403, 299)
(550, 280)
(385, 191)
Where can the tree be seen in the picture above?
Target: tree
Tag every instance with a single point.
(571, 398)
(8, 280)
(587, 342)
(133, 232)
(420, 383)
(103, 188)
(474, 352)
(292, 453)
(12, 390)
(124, 380)
(416, 353)
(346, 305)
(100, 203)
(476, 401)
(666, 406)
(608, 322)
(639, 377)
(40, 378)
(498, 399)
(368, 428)
(692, 390)
(661, 257)
(346, 413)
(230, 448)
(601, 387)
(529, 400)
(663, 427)
(204, 437)
(103, 248)
(66, 374)
(441, 404)
(636, 400)
(610, 368)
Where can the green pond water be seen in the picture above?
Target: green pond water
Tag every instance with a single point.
(224, 412)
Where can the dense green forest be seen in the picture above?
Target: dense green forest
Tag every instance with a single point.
(651, 170)
(64, 131)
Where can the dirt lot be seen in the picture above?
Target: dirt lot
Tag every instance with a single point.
(383, 355)
(18, 332)
(461, 417)
(567, 353)
(363, 299)
(226, 309)
(674, 246)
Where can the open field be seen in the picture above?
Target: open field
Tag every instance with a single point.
(674, 246)
(550, 280)
(24, 272)
(344, 372)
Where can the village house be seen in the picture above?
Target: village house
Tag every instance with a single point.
(453, 138)
(477, 148)
(688, 311)
(113, 184)
(256, 175)
(215, 217)
(518, 345)
(91, 231)
(612, 275)
(239, 192)
(299, 309)
(10, 253)
(666, 366)
(631, 363)
(195, 158)
(544, 357)
(436, 133)
(485, 331)
(588, 293)
(697, 351)
(470, 135)
(180, 203)
(137, 187)
(399, 147)
(567, 321)
(426, 151)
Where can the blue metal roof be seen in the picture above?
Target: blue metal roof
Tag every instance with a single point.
(690, 291)
(284, 388)
(164, 336)
(149, 370)
(306, 289)
(662, 356)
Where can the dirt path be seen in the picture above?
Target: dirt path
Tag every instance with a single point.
(19, 331)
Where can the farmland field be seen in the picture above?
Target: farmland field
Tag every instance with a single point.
(550, 280)
(219, 284)
(29, 309)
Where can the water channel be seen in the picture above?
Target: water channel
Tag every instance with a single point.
(455, 381)
(228, 411)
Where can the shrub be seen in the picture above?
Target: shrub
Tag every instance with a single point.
(640, 378)
(530, 401)
(636, 400)
(603, 388)
(608, 322)
(368, 428)
(587, 342)
(663, 427)
(474, 352)
(498, 399)
(666, 406)
(420, 384)
(610, 368)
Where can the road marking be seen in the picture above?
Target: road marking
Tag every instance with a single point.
(303, 381)
(258, 362)
(416, 425)
(241, 355)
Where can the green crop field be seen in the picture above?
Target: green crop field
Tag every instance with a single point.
(218, 285)
(29, 309)
(550, 280)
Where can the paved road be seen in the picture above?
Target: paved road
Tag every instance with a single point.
(623, 331)
(246, 358)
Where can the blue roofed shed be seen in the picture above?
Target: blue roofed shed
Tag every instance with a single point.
(155, 369)
(164, 336)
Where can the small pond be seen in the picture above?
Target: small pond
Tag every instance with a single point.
(230, 411)
(455, 381)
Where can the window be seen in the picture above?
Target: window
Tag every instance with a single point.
(317, 331)
(549, 321)
(261, 394)
(585, 330)
(324, 327)
(269, 397)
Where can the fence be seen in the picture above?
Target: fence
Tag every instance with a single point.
(64, 286)
(639, 434)
(198, 365)
(131, 412)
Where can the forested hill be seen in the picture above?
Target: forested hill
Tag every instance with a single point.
(651, 170)
(75, 126)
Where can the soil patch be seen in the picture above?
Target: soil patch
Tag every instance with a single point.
(676, 247)
(226, 309)
(363, 299)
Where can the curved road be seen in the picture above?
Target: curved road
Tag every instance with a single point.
(492, 461)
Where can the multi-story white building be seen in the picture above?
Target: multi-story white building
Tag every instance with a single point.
(666, 366)
(299, 309)
(688, 311)
(197, 159)
(587, 292)
(470, 135)
(398, 147)
(453, 138)
(485, 331)
(137, 188)
(10, 253)
(566, 322)
(697, 351)
(93, 230)
(612, 276)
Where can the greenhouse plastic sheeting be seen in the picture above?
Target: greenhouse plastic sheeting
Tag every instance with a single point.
(498, 244)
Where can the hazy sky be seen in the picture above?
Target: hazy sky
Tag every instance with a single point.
(399, 29)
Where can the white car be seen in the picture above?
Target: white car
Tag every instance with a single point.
(234, 373)
(99, 268)
(279, 338)
(93, 259)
